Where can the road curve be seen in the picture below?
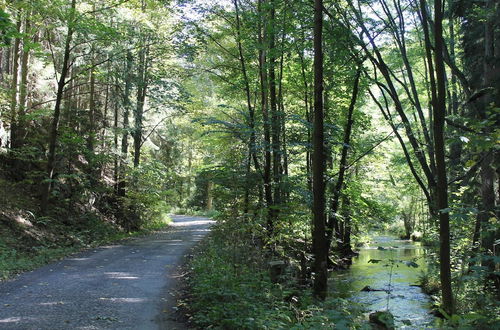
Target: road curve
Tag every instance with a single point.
(127, 285)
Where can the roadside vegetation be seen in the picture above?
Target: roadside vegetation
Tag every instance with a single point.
(236, 284)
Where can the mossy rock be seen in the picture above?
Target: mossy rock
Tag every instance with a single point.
(382, 319)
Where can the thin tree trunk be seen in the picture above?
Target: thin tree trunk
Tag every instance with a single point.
(57, 111)
(413, 170)
(377, 59)
(14, 89)
(334, 204)
(281, 110)
(115, 141)
(251, 112)
(268, 195)
(92, 112)
(307, 119)
(23, 88)
(275, 116)
(141, 98)
(126, 113)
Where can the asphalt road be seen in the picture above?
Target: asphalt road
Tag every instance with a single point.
(128, 285)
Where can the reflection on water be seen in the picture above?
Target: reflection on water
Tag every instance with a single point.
(408, 304)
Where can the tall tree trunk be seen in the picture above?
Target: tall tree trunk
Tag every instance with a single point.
(281, 111)
(141, 98)
(92, 111)
(268, 194)
(275, 116)
(210, 197)
(442, 184)
(126, 113)
(345, 248)
(307, 119)
(251, 112)
(23, 87)
(334, 204)
(14, 89)
(487, 172)
(57, 110)
(320, 244)
(116, 162)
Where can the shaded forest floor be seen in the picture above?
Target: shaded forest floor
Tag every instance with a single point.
(28, 240)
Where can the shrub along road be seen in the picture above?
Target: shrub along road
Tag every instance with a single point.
(128, 285)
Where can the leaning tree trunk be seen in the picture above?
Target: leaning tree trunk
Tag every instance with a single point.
(334, 204)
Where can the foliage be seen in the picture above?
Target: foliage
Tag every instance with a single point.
(231, 288)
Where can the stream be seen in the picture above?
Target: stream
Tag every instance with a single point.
(372, 268)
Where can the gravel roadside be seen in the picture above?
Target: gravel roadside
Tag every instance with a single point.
(127, 285)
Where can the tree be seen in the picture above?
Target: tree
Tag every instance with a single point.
(442, 182)
(320, 243)
(54, 129)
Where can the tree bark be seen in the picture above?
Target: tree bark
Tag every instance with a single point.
(141, 98)
(275, 116)
(320, 246)
(442, 183)
(487, 172)
(92, 111)
(23, 88)
(126, 113)
(268, 195)
(14, 89)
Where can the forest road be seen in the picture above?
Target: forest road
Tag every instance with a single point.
(127, 285)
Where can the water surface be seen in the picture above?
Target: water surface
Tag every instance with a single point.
(409, 305)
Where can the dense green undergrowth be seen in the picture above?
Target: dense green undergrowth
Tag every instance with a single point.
(476, 305)
(231, 288)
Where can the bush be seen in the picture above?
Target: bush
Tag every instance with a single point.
(231, 288)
